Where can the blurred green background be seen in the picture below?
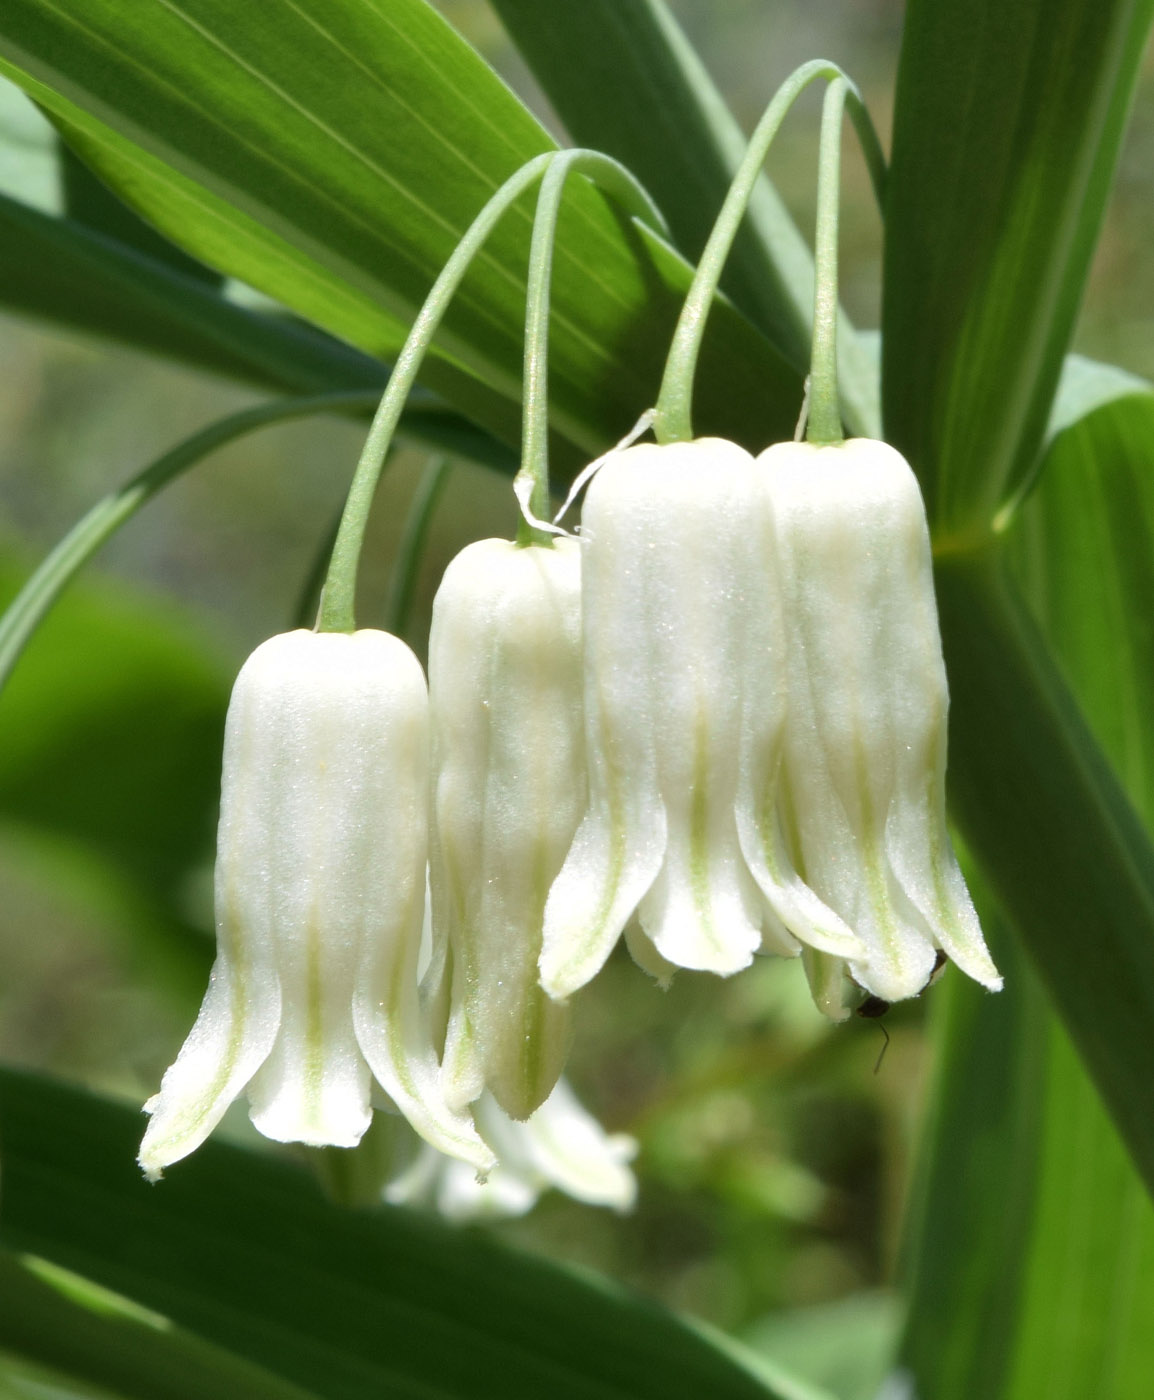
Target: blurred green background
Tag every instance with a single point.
(774, 1160)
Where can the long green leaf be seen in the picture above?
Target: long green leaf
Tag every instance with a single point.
(1008, 119)
(1061, 845)
(1034, 1270)
(331, 152)
(1058, 1302)
(56, 269)
(84, 1333)
(625, 80)
(1085, 385)
(88, 201)
(1083, 549)
(244, 1252)
(975, 1210)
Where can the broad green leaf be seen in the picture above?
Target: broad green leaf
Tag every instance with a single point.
(57, 270)
(1085, 385)
(1061, 845)
(1083, 549)
(90, 202)
(1087, 1310)
(242, 1251)
(331, 153)
(624, 79)
(1008, 119)
(1033, 1273)
(1033, 1268)
(92, 1337)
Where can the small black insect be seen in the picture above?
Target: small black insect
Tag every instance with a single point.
(872, 1008)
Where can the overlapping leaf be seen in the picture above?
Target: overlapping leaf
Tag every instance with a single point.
(243, 1252)
(1008, 119)
(1034, 1275)
(1000, 172)
(625, 79)
(331, 154)
(58, 270)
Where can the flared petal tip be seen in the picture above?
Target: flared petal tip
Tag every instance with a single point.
(976, 963)
(167, 1141)
(152, 1169)
(561, 973)
(560, 984)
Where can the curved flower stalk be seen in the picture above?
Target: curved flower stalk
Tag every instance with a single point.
(865, 746)
(508, 793)
(684, 692)
(320, 879)
(562, 1145)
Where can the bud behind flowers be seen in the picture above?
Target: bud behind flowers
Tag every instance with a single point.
(560, 1146)
(865, 750)
(319, 895)
(508, 792)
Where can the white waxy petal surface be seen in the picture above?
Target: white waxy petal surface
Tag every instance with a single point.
(319, 883)
(685, 711)
(509, 789)
(865, 746)
(676, 578)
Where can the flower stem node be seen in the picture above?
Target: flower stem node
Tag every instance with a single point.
(508, 793)
(320, 879)
(865, 747)
(685, 704)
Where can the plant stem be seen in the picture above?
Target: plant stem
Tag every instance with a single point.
(824, 426)
(62, 564)
(337, 610)
(532, 482)
(674, 418)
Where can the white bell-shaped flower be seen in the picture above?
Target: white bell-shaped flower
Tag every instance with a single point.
(509, 787)
(320, 883)
(684, 707)
(561, 1146)
(865, 751)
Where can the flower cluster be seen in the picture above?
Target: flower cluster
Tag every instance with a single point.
(715, 725)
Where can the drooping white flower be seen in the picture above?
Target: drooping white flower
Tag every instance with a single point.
(865, 750)
(562, 1145)
(320, 880)
(508, 792)
(684, 706)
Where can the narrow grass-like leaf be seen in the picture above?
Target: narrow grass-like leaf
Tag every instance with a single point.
(1007, 124)
(243, 1251)
(331, 152)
